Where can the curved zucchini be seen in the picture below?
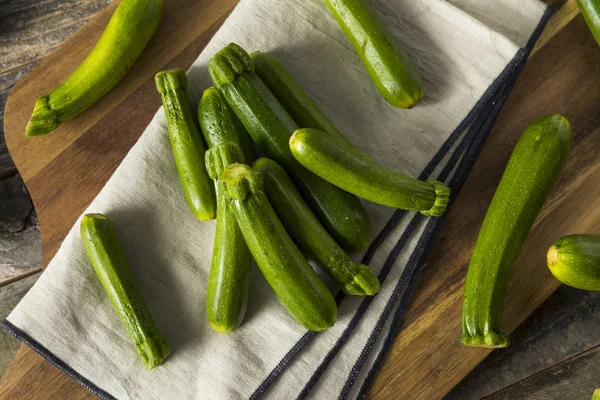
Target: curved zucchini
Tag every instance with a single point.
(219, 124)
(293, 97)
(350, 170)
(187, 144)
(270, 126)
(294, 281)
(533, 168)
(590, 9)
(229, 278)
(127, 33)
(395, 75)
(575, 261)
(106, 255)
(309, 234)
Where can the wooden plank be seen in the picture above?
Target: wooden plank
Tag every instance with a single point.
(576, 378)
(20, 242)
(566, 325)
(9, 297)
(427, 359)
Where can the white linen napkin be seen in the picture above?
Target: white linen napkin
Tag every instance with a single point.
(469, 53)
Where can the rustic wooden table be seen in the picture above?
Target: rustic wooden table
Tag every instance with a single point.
(555, 354)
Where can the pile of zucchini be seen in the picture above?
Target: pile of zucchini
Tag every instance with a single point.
(303, 197)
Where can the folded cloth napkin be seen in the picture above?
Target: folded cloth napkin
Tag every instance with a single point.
(469, 53)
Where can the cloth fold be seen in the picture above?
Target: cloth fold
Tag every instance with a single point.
(469, 54)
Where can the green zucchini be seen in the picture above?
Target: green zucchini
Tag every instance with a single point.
(350, 170)
(590, 9)
(534, 166)
(188, 146)
(219, 123)
(575, 261)
(271, 126)
(309, 234)
(395, 75)
(294, 281)
(106, 256)
(127, 33)
(293, 97)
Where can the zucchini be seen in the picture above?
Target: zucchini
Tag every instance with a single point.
(309, 234)
(395, 75)
(590, 9)
(219, 124)
(534, 166)
(127, 33)
(350, 170)
(293, 97)
(186, 141)
(575, 261)
(271, 126)
(106, 256)
(294, 281)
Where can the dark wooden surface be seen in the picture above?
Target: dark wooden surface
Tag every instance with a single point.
(563, 327)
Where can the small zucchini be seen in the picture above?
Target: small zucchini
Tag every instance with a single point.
(187, 143)
(106, 256)
(309, 234)
(350, 170)
(395, 75)
(271, 126)
(534, 166)
(127, 33)
(575, 261)
(293, 97)
(590, 9)
(294, 281)
(219, 124)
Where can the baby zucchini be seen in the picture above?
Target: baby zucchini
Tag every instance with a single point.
(187, 143)
(391, 69)
(104, 251)
(350, 170)
(271, 126)
(294, 281)
(293, 97)
(127, 33)
(309, 234)
(227, 293)
(575, 261)
(534, 166)
(590, 9)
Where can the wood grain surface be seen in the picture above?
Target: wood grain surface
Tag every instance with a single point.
(66, 175)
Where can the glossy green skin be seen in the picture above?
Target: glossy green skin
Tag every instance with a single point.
(293, 97)
(188, 146)
(395, 75)
(126, 35)
(296, 284)
(270, 126)
(229, 278)
(575, 261)
(104, 251)
(590, 9)
(304, 227)
(219, 123)
(533, 168)
(350, 170)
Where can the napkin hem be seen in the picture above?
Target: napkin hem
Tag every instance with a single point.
(54, 360)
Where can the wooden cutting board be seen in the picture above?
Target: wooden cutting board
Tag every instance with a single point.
(65, 170)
